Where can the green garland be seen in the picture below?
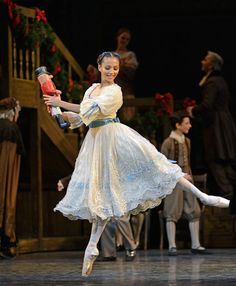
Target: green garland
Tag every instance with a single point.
(32, 33)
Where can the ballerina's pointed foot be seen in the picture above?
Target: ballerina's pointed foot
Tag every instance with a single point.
(216, 201)
(89, 259)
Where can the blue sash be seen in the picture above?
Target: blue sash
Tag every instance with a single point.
(101, 122)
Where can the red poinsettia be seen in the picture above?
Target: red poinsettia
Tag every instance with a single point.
(164, 102)
(40, 15)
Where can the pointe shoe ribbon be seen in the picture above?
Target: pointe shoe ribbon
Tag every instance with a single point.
(89, 259)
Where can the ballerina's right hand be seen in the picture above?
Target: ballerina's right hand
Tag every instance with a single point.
(52, 100)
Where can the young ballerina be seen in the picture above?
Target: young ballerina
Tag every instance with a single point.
(117, 171)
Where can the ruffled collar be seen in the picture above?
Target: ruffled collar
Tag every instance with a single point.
(177, 136)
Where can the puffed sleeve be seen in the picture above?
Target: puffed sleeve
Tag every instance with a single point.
(105, 104)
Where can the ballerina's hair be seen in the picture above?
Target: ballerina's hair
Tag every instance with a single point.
(107, 55)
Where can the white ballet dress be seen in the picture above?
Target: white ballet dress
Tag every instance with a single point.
(117, 171)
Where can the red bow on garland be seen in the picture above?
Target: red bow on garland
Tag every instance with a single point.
(164, 102)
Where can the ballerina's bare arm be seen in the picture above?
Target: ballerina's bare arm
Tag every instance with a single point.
(56, 101)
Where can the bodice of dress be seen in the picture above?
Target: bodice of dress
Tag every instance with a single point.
(102, 106)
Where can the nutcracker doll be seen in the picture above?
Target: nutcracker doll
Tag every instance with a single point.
(48, 87)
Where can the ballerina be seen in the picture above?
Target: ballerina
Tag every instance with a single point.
(117, 171)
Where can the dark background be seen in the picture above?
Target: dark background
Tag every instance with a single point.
(169, 38)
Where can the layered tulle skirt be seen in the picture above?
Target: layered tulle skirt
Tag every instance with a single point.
(117, 172)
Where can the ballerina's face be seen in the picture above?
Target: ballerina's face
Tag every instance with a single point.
(109, 69)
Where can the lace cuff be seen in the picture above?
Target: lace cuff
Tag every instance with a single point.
(74, 119)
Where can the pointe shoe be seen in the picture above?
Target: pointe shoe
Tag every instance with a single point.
(216, 201)
(89, 259)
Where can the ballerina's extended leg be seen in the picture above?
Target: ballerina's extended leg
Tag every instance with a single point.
(214, 201)
(91, 251)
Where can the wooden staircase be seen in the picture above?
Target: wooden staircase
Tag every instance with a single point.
(50, 151)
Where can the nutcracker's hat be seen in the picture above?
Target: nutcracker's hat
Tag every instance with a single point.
(41, 70)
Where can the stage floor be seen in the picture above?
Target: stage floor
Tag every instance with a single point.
(151, 267)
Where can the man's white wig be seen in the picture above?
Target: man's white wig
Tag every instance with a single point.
(217, 60)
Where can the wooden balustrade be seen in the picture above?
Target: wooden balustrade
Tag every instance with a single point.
(25, 60)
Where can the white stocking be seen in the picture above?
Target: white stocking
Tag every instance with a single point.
(171, 231)
(194, 232)
(96, 232)
(91, 251)
(213, 201)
